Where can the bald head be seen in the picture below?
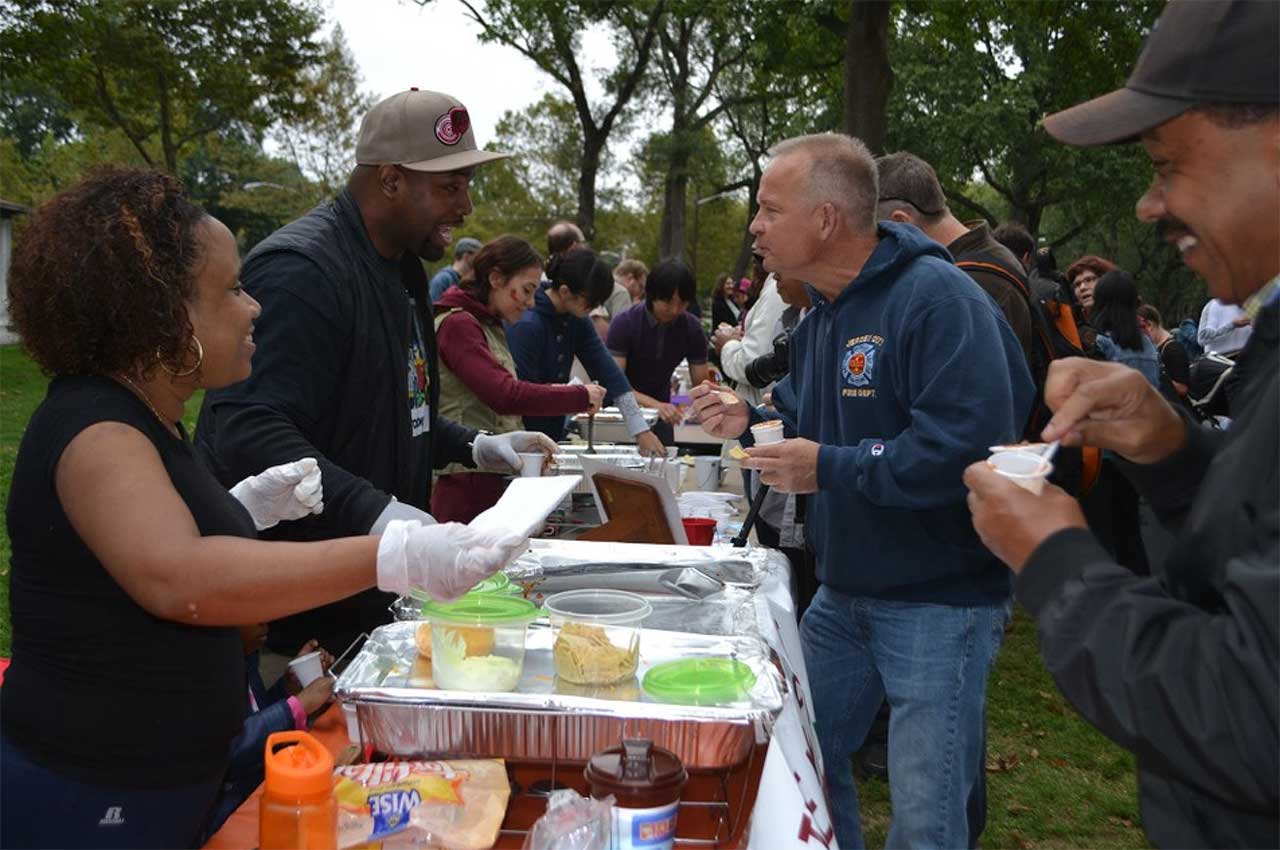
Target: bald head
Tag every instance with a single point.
(562, 236)
(840, 171)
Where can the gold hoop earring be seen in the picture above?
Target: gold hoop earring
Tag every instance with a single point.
(188, 373)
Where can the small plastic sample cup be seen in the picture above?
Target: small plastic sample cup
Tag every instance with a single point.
(701, 531)
(531, 464)
(767, 433)
(1025, 469)
(597, 634)
(307, 668)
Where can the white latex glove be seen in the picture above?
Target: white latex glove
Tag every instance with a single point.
(288, 491)
(444, 560)
(397, 509)
(500, 452)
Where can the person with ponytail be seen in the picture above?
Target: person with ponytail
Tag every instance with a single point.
(547, 339)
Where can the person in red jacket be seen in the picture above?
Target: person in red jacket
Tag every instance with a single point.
(478, 383)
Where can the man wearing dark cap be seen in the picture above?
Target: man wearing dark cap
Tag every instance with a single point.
(1180, 668)
(345, 369)
(452, 274)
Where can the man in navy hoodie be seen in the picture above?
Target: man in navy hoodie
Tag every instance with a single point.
(902, 375)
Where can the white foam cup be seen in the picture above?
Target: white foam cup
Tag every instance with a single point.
(531, 464)
(307, 668)
(767, 433)
(1025, 469)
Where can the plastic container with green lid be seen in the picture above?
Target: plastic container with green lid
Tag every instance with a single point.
(477, 642)
(496, 583)
(706, 680)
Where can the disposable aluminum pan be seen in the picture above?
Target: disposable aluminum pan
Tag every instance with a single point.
(401, 712)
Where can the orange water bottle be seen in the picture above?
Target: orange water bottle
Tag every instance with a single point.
(298, 810)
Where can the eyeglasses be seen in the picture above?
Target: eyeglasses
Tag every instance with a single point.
(919, 208)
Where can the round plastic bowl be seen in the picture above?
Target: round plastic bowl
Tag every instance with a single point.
(709, 680)
(477, 642)
(597, 634)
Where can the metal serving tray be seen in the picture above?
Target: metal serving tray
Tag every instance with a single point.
(401, 713)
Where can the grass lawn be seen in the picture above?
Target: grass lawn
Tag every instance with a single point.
(1053, 781)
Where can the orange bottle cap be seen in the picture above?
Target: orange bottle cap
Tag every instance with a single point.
(297, 766)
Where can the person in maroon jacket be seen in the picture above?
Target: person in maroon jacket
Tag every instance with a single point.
(478, 384)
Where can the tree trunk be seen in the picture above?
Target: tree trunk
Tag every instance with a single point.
(675, 196)
(592, 148)
(868, 78)
(743, 266)
(166, 127)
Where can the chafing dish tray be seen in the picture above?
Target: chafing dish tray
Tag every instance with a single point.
(401, 713)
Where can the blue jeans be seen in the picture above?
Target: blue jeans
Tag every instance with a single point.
(931, 663)
(41, 808)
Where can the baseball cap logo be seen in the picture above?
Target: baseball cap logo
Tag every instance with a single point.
(453, 125)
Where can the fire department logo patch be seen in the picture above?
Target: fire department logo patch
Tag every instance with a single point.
(858, 364)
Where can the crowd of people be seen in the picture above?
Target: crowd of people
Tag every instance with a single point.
(358, 412)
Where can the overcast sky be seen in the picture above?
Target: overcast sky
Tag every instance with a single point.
(399, 44)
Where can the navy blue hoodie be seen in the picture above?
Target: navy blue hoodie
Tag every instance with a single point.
(905, 379)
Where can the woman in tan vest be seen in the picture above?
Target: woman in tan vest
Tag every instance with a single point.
(478, 384)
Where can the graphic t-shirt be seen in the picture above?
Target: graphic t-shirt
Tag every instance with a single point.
(419, 404)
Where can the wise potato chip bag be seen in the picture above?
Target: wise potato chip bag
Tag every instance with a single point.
(457, 805)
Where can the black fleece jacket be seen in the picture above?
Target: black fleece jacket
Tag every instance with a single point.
(1181, 668)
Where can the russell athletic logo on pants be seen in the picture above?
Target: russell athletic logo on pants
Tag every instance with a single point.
(112, 817)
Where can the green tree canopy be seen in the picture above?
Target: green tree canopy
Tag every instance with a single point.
(168, 74)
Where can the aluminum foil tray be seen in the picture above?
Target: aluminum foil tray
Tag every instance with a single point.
(401, 713)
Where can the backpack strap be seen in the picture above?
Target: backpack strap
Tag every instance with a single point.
(979, 265)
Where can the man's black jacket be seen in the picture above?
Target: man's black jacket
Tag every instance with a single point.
(1181, 668)
(330, 381)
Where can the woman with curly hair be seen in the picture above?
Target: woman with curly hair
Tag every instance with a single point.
(132, 567)
(1082, 277)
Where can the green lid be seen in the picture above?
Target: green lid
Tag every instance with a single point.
(482, 609)
(700, 681)
(496, 583)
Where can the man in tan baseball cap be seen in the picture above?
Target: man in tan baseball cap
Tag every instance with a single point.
(421, 131)
(346, 369)
(414, 161)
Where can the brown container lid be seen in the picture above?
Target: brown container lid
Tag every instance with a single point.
(638, 774)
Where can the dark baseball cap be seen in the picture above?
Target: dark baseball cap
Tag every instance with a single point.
(422, 131)
(1199, 51)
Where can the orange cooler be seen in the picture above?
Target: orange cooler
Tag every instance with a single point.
(298, 809)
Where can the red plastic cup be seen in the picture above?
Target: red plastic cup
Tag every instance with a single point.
(700, 530)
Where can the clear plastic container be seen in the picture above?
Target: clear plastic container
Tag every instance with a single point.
(477, 642)
(597, 634)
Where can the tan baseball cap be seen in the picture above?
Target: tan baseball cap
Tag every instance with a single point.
(420, 130)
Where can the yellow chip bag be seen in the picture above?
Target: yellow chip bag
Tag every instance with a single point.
(458, 805)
